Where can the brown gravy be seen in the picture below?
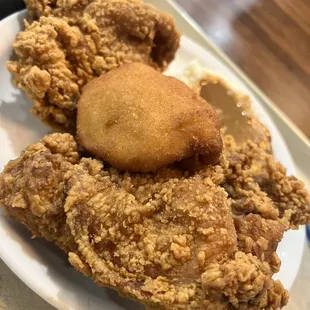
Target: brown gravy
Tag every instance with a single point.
(235, 112)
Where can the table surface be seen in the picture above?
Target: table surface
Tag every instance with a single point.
(270, 41)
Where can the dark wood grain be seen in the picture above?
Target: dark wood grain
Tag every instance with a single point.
(270, 41)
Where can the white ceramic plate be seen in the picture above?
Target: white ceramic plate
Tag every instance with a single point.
(41, 265)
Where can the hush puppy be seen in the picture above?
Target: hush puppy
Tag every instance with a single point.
(137, 119)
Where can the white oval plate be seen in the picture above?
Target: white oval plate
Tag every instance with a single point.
(41, 265)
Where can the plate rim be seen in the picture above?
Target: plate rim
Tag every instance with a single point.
(37, 288)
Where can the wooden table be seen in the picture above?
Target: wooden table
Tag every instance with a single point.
(270, 41)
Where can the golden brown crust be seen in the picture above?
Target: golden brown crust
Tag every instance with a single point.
(74, 41)
(167, 238)
(258, 184)
(137, 119)
(141, 244)
(33, 186)
(260, 237)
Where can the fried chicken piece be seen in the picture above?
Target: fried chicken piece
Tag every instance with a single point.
(258, 184)
(242, 278)
(228, 284)
(60, 8)
(141, 245)
(260, 237)
(148, 123)
(265, 201)
(79, 40)
(33, 186)
(173, 249)
(259, 221)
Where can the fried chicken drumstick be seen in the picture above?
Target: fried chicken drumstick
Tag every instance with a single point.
(71, 42)
(166, 239)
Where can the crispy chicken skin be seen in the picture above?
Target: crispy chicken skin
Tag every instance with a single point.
(74, 41)
(260, 237)
(265, 201)
(33, 186)
(167, 239)
(258, 184)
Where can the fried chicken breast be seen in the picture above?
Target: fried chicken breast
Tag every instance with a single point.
(71, 42)
(148, 123)
(167, 239)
